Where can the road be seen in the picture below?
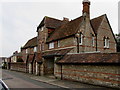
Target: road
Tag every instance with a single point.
(17, 80)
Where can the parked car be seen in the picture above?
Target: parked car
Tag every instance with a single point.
(3, 86)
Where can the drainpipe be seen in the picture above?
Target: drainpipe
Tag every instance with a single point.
(61, 73)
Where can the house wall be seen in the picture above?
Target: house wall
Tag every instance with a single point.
(104, 30)
(104, 75)
(24, 55)
(87, 32)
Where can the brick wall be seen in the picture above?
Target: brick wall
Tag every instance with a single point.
(18, 66)
(104, 75)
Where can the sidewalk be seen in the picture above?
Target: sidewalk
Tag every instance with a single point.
(64, 83)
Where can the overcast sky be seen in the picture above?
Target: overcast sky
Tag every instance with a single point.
(19, 18)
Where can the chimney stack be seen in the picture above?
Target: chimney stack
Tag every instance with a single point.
(86, 8)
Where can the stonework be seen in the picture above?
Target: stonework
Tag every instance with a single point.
(104, 75)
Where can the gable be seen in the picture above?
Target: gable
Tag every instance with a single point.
(96, 22)
(105, 27)
(31, 43)
(50, 23)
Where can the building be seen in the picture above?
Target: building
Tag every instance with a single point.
(56, 37)
(16, 57)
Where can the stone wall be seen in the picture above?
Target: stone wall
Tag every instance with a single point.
(18, 67)
(105, 31)
(104, 75)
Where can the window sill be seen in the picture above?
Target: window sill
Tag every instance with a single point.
(80, 44)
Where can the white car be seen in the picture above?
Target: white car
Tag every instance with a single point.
(3, 86)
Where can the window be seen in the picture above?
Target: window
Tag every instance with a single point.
(81, 39)
(40, 48)
(51, 45)
(93, 40)
(26, 50)
(106, 42)
(35, 49)
(58, 43)
(42, 28)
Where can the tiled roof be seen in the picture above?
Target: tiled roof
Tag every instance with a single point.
(71, 28)
(56, 52)
(91, 58)
(50, 22)
(31, 43)
(38, 57)
(31, 57)
(95, 22)
(66, 30)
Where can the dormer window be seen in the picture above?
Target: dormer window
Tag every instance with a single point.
(81, 39)
(51, 45)
(106, 42)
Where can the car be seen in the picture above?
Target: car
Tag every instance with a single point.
(3, 86)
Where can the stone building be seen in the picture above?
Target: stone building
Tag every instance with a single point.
(16, 57)
(81, 35)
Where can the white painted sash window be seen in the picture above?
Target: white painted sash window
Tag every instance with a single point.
(81, 39)
(35, 49)
(51, 45)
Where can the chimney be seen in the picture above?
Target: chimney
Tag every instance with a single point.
(65, 19)
(86, 8)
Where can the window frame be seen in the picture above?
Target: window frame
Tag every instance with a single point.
(51, 45)
(80, 39)
(106, 42)
(35, 49)
(58, 43)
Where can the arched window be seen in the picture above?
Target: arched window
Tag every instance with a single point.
(81, 39)
(106, 42)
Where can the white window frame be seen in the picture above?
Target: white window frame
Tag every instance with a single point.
(106, 42)
(81, 39)
(58, 43)
(93, 41)
(40, 47)
(51, 45)
(35, 49)
(42, 28)
(26, 50)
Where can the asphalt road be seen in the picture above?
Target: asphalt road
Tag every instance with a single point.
(16, 80)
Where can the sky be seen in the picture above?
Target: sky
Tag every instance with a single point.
(19, 18)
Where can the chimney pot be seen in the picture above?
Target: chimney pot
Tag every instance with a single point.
(86, 8)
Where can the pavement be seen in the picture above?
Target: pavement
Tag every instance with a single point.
(65, 83)
(62, 83)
